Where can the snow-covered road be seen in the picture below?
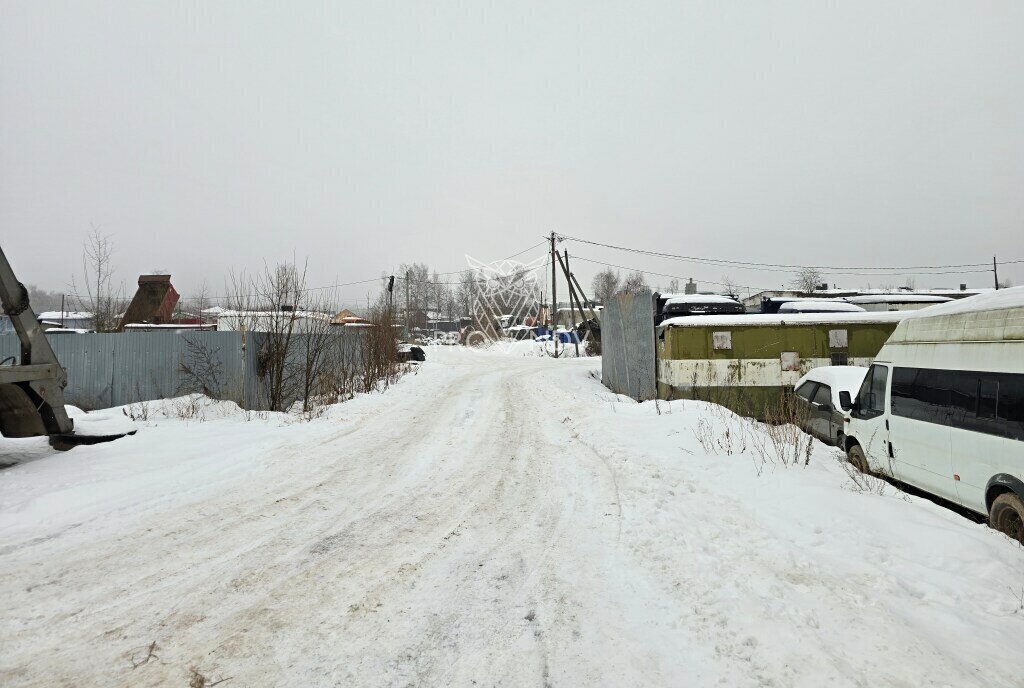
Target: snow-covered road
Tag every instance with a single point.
(492, 520)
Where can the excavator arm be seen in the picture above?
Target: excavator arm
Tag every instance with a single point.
(31, 390)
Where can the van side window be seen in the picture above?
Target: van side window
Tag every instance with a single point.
(988, 398)
(823, 396)
(986, 402)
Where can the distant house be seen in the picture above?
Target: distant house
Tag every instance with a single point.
(347, 317)
(71, 320)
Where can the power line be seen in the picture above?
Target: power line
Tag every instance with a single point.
(662, 274)
(783, 267)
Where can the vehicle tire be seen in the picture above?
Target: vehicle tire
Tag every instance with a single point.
(859, 460)
(1007, 515)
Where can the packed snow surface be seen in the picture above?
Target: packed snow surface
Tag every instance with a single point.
(492, 520)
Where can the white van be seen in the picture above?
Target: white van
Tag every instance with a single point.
(942, 406)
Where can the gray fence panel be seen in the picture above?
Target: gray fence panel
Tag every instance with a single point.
(148, 365)
(627, 346)
(113, 369)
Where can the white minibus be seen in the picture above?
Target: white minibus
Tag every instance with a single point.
(942, 406)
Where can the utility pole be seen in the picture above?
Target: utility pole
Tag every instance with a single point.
(554, 296)
(407, 331)
(995, 272)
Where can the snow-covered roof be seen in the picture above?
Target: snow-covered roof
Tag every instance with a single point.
(67, 315)
(260, 314)
(215, 310)
(989, 301)
(897, 298)
(839, 378)
(819, 306)
(997, 316)
(700, 298)
(776, 319)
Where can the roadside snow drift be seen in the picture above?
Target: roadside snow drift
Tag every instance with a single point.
(491, 520)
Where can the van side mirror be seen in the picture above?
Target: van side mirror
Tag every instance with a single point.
(844, 401)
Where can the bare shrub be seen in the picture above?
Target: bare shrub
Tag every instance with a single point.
(779, 440)
(201, 368)
(862, 482)
(380, 365)
(138, 411)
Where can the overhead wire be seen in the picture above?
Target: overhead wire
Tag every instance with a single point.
(784, 267)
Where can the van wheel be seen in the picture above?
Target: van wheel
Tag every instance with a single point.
(858, 459)
(1007, 515)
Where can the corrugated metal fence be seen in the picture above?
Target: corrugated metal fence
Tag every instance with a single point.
(627, 346)
(113, 369)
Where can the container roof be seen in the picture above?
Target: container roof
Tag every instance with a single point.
(787, 319)
(700, 298)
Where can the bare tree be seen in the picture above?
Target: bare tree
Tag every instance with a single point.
(673, 286)
(43, 300)
(807, 279)
(268, 304)
(730, 288)
(466, 293)
(635, 283)
(605, 285)
(95, 294)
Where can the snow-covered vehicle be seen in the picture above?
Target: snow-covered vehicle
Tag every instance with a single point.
(817, 397)
(819, 306)
(410, 352)
(942, 406)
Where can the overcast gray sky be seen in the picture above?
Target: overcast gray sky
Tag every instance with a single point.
(211, 136)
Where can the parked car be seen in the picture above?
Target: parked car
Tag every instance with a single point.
(818, 392)
(942, 406)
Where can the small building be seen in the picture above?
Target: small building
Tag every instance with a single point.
(747, 362)
(71, 320)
